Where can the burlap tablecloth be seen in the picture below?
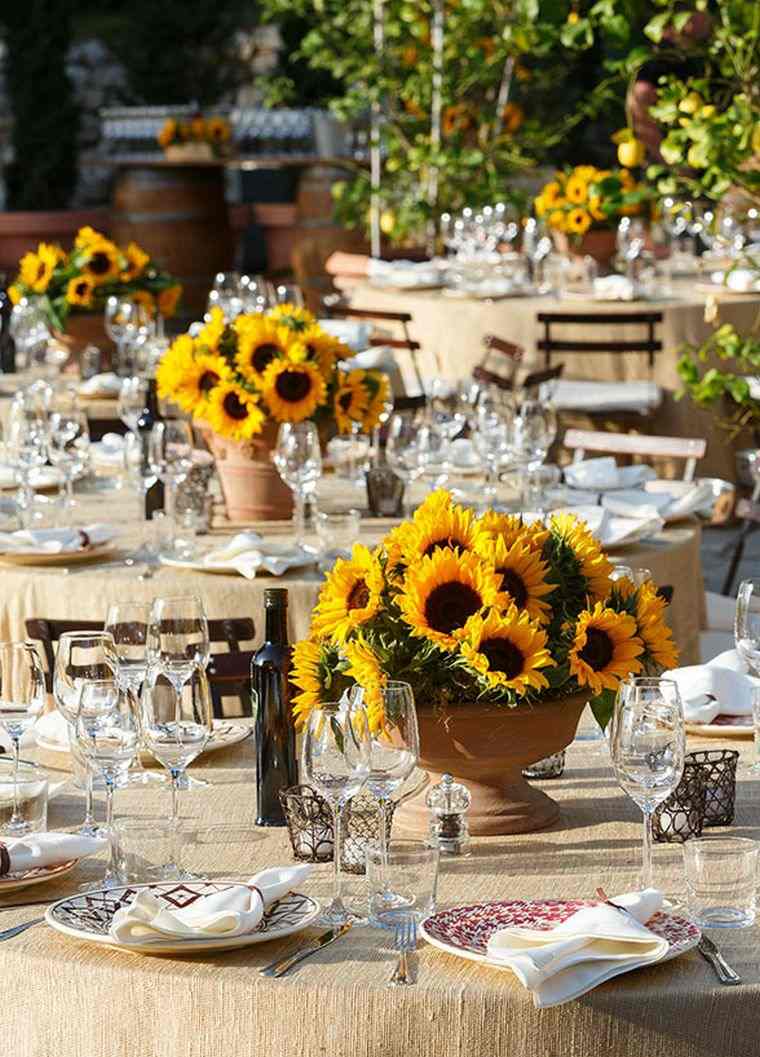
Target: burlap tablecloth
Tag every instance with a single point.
(451, 331)
(63, 998)
(84, 592)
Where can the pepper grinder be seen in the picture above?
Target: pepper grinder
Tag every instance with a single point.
(448, 803)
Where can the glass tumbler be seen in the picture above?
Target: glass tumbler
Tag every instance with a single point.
(141, 849)
(721, 881)
(32, 795)
(411, 872)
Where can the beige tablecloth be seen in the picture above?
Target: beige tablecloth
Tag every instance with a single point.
(451, 333)
(85, 591)
(63, 998)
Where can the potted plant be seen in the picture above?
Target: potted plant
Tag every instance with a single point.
(504, 631)
(240, 380)
(199, 139)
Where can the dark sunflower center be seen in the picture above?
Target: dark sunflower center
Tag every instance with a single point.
(234, 407)
(345, 401)
(293, 386)
(99, 263)
(41, 269)
(81, 288)
(503, 656)
(598, 651)
(208, 380)
(512, 583)
(444, 541)
(262, 356)
(358, 596)
(450, 605)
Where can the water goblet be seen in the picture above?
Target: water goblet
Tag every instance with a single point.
(22, 699)
(170, 455)
(178, 638)
(131, 402)
(298, 459)
(69, 449)
(403, 454)
(493, 443)
(26, 448)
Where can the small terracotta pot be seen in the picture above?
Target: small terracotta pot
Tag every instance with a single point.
(87, 328)
(486, 748)
(196, 151)
(253, 490)
(601, 244)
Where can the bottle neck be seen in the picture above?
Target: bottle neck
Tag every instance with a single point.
(277, 625)
(151, 400)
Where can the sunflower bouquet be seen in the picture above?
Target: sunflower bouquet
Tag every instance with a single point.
(488, 608)
(213, 133)
(278, 365)
(586, 197)
(85, 277)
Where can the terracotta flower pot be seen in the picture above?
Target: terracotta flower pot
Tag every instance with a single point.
(486, 748)
(600, 243)
(87, 328)
(252, 488)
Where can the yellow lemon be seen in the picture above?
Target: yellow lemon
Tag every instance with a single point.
(690, 103)
(387, 221)
(632, 153)
(697, 157)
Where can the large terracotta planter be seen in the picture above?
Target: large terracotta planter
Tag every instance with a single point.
(487, 748)
(600, 244)
(252, 488)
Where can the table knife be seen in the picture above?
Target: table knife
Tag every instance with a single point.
(723, 970)
(282, 965)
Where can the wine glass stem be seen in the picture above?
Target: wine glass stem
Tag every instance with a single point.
(337, 880)
(176, 774)
(383, 823)
(171, 502)
(16, 816)
(89, 818)
(109, 801)
(646, 852)
(299, 517)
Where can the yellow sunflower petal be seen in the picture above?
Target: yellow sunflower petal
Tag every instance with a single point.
(293, 391)
(233, 412)
(507, 650)
(605, 648)
(350, 596)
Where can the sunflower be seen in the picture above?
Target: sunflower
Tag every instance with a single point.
(437, 523)
(441, 592)
(655, 633)
(364, 668)
(551, 193)
(211, 332)
(36, 269)
(168, 132)
(595, 207)
(168, 300)
(218, 130)
(576, 189)
(145, 298)
(593, 563)
(203, 375)
(293, 391)
(350, 401)
(324, 349)
(103, 261)
(578, 221)
(350, 595)
(15, 293)
(305, 673)
(198, 127)
(175, 364)
(511, 527)
(87, 237)
(137, 259)
(80, 291)
(293, 316)
(380, 404)
(506, 650)
(605, 648)
(233, 412)
(260, 341)
(523, 575)
(557, 220)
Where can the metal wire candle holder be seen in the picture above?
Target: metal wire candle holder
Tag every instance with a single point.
(718, 768)
(682, 815)
(550, 767)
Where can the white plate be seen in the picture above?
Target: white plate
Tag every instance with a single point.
(88, 916)
(224, 735)
(464, 294)
(42, 479)
(86, 554)
(296, 557)
(723, 730)
(40, 875)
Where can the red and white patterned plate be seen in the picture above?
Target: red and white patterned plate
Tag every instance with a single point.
(39, 875)
(465, 931)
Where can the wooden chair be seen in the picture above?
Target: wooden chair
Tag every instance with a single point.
(511, 354)
(748, 511)
(581, 441)
(649, 345)
(228, 673)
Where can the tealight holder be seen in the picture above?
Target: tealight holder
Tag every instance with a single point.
(718, 768)
(682, 815)
(385, 492)
(550, 767)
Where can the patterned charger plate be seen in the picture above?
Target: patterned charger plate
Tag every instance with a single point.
(39, 875)
(88, 916)
(465, 931)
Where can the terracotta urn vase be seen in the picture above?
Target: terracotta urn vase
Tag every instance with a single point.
(486, 748)
(87, 328)
(599, 243)
(252, 488)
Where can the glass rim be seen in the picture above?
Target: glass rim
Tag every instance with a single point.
(720, 842)
(403, 850)
(23, 765)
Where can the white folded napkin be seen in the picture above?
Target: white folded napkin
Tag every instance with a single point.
(233, 911)
(108, 384)
(603, 473)
(720, 687)
(569, 394)
(55, 540)
(247, 552)
(352, 332)
(463, 454)
(109, 451)
(618, 531)
(50, 849)
(639, 505)
(613, 288)
(53, 729)
(404, 273)
(594, 945)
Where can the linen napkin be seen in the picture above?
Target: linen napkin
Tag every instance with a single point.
(592, 946)
(404, 273)
(614, 288)
(53, 728)
(633, 504)
(741, 280)
(722, 686)
(148, 922)
(109, 451)
(568, 394)
(603, 473)
(55, 540)
(107, 385)
(247, 552)
(47, 849)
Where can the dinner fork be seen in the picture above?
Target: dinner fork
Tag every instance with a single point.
(404, 941)
(16, 930)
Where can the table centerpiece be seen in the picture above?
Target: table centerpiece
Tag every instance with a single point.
(505, 629)
(199, 139)
(241, 379)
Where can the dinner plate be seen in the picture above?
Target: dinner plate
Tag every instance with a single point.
(85, 554)
(39, 875)
(224, 735)
(464, 294)
(742, 727)
(296, 557)
(88, 916)
(465, 931)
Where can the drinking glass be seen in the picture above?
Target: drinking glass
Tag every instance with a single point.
(647, 749)
(69, 449)
(125, 322)
(170, 455)
(445, 408)
(288, 293)
(403, 454)
(24, 796)
(337, 533)
(131, 402)
(747, 624)
(22, 699)
(721, 881)
(493, 443)
(82, 657)
(335, 760)
(410, 869)
(178, 639)
(298, 460)
(26, 448)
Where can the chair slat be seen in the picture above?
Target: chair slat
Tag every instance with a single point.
(635, 444)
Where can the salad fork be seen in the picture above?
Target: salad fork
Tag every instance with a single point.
(404, 941)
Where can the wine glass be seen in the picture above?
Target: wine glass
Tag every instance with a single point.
(131, 402)
(175, 729)
(82, 657)
(747, 624)
(178, 639)
(445, 408)
(647, 748)
(298, 459)
(403, 454)
(493, 443)
(335, 760)
(289, 293)
(69, 448)
(170, 455)
(22, 699)
(26, 448)
(533, 433)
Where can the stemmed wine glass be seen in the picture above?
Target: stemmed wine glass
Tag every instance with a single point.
(69, 448)
(22, 699)
(26, 448)
(403, 453)
(493, 443)
(335, 760)
(83, 657)
(647, 748)
(533, 433)
(125, 321)
(178, 639)
(131, 402)
(298, 459)
(747, 624)
(170, 454)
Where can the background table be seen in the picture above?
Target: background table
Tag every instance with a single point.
(67, 999)
(85, 591)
